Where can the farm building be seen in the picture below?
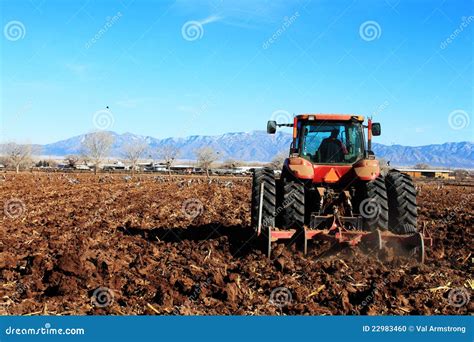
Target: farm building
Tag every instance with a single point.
(421, 173)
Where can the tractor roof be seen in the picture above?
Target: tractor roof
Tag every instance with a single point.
(335, 117)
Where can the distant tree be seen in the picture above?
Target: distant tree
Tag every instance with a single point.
(17, 155)
(71, 161)
(205, 157)
(133, 151)
(384, 166)
(461, 174)
(52, 163)
(96, 147)
(278, 160)
(4, 160)
(168, 153)
(231, 164)
(42, 163)
(421, 166)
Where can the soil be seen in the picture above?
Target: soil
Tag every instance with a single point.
(110, 244)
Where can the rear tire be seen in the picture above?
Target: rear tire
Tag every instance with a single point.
(401, 195)
(266, 177)
(294, 205)
(373, 206)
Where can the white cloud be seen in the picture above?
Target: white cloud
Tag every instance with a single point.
(211, 19)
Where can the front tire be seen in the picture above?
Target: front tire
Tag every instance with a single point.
(293, 205)
(402, 207)
(373, 204)
(266, 177)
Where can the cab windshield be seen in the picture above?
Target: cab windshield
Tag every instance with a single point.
(331, 142)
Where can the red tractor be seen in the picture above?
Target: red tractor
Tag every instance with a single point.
(331, 188)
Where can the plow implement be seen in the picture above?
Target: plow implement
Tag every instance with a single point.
(332, 228)
(377, 240)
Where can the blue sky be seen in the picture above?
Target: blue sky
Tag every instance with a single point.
(178, 68)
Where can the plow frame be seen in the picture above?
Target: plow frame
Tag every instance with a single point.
(337, 234)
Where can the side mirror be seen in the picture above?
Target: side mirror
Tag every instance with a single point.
(271, 127)
(376, 129)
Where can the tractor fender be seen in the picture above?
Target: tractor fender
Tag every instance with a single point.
(300, 167)
(367, 169)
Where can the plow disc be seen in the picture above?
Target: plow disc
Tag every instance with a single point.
(340, 237)
(332, 228)
(376, 240)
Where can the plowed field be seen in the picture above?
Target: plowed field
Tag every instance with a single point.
(80, 244)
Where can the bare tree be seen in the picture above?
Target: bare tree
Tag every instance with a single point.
(461, 174)
(278, 160)
(206, 156)
(133, 151)
(96, 147)
(421, 166)
(168, 153)
(17, 155)
(71, 161)
(231, 164)
(384, 166)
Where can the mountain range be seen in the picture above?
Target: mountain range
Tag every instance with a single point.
(259, 146)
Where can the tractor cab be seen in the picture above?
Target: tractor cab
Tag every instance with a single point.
(329, 139)
(329, 148)
(330, 142)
